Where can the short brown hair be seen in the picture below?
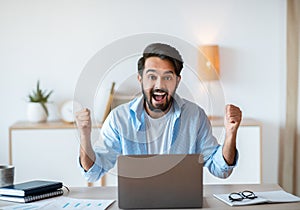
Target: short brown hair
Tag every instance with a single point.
(162, 51)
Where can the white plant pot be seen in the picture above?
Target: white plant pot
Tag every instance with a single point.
(36, 112)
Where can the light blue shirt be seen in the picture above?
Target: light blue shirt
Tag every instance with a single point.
(124, 132)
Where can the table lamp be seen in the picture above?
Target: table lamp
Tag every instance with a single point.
(209, 64)
(208, 73)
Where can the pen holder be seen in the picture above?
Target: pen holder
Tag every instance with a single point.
(6, 175)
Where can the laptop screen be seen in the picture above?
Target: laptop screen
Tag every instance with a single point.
(160, 181)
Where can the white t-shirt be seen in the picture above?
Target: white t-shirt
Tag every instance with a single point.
(158, 133)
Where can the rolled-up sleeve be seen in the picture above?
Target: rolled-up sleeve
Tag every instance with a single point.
(217, 165)
(212, 151)
(94, 173)
(106, 155)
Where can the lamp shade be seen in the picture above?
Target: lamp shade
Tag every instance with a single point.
(209, 64)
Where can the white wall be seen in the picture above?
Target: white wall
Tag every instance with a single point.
(52, 40)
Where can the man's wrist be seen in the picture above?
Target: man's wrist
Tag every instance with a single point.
(230, 132)
(85, 136)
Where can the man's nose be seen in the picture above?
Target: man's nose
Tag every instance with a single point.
(159, 84)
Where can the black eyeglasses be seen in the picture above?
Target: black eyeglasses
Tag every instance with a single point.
(246, 194)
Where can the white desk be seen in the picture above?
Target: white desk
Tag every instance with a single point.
(209, 202)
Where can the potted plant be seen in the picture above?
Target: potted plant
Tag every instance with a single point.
(37, 110)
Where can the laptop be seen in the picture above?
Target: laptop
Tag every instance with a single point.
(160, 181)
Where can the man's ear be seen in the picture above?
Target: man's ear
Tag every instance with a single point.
(139, 78)
(178, 78)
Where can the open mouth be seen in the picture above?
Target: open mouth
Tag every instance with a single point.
(159, 96)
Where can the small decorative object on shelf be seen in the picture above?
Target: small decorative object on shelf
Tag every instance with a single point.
(68, 110)
(37, 110)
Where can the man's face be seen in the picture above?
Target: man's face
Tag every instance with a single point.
(159, 83)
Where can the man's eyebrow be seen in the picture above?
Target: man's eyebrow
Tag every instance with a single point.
(153, 70)
(150, 70)
(169, 72)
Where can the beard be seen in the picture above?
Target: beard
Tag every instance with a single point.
(158, 107)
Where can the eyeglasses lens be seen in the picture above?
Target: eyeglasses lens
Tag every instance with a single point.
(248, 194)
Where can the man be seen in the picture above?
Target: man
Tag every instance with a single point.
(158, 122)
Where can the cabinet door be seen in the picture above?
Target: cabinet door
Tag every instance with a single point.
(47, 154)
(248, 169)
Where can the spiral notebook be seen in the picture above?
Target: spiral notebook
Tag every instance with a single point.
(30, 188)
(31, 198)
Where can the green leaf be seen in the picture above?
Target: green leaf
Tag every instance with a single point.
(39, 95)
(45, 108)
(48, 95)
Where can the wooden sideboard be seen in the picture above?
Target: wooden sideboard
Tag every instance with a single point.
(47, 150)
(50, 151)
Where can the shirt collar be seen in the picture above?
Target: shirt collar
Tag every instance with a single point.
(136, 107)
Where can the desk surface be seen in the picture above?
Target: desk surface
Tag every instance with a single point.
(209, 202)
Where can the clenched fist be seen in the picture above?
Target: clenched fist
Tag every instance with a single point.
(232, 120)
(83, 121)
(233, 117)
(87, 154)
